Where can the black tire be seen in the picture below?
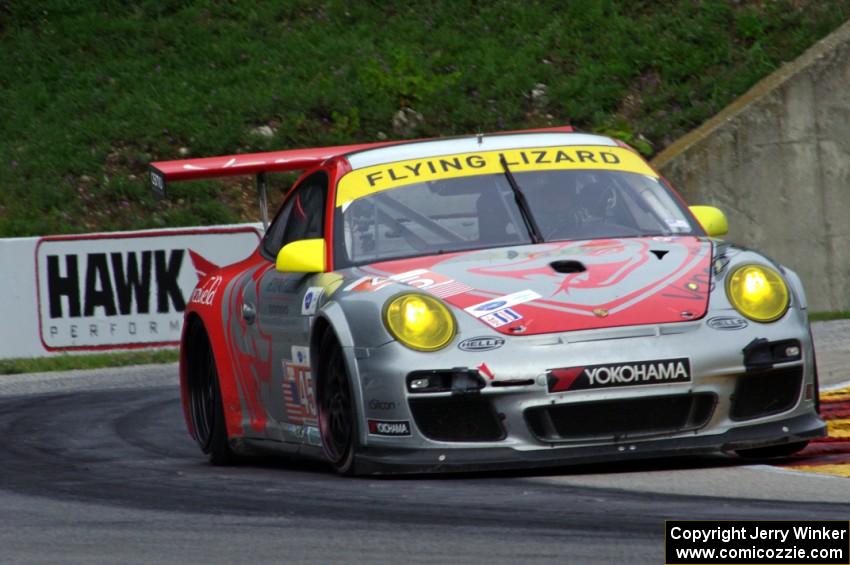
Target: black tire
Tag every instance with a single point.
(336, 407)
(773, 451)
(206, 408)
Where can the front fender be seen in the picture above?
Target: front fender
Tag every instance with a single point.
(796, 286)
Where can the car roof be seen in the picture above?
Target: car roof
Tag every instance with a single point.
(468, 144)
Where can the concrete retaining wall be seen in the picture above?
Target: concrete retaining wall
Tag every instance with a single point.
(777, 161)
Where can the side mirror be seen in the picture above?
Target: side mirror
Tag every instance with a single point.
(712, 220)
(303, 256)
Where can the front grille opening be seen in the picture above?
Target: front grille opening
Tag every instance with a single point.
(621, 419)
(458, 381)
(457, 418)
(764, 354)
(766, 393)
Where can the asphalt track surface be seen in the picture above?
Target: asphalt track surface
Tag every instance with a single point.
(96, 467)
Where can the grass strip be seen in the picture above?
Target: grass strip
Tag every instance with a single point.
(92, 361)
(827, 316)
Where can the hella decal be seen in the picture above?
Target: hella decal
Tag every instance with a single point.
(727, 323)
(389, 428)
(620, 374)
(482, 343)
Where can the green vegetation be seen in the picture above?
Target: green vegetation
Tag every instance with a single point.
(827, 316)
(93, 361)
(90, 92)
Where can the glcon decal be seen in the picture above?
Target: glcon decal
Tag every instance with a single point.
(378, 404)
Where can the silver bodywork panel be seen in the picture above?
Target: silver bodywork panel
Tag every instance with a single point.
(670, 308)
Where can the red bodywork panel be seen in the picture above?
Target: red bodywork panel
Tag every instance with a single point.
(625, 283)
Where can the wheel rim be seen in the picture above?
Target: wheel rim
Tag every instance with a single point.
(336, 412)
(203, 400)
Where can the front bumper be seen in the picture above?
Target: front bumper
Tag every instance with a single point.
(375, 461)
(717, 364)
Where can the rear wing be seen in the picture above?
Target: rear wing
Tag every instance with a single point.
(164, 172)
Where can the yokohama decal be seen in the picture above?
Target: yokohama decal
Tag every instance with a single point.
(620, 374)
(389, 428)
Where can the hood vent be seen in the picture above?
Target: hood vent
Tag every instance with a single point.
(568, 266)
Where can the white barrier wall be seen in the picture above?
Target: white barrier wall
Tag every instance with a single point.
(107, 291)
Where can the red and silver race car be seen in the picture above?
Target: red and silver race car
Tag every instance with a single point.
(519, 299)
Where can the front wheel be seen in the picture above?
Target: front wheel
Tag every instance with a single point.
(773, 451)
(337, 413)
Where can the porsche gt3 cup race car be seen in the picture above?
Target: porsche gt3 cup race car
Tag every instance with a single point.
(521, 299)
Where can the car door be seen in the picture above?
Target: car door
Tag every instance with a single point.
(282, 306)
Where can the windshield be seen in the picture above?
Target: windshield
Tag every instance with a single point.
(480, 211)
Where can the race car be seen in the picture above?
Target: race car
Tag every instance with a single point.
(521, 299)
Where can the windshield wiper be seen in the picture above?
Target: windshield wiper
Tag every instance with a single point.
(530, 224)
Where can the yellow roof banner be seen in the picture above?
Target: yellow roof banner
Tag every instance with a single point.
(368, 180)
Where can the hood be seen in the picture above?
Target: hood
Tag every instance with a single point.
(566, 286)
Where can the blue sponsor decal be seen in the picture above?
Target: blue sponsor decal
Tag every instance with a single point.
(489, 306)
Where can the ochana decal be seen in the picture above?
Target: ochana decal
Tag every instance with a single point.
(368, 180)
(389, 428)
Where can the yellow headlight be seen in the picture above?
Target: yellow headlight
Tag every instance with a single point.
(758, 292)
(420, 322)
